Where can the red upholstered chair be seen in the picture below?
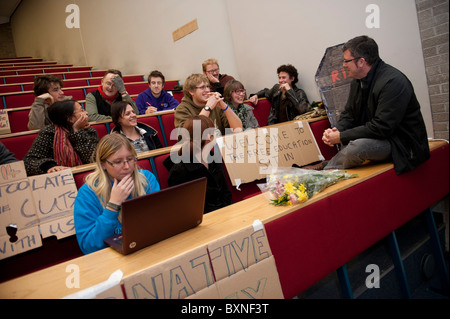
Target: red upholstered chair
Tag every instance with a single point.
(10, 88)
(136, 88)
(261, 111)
(19, 100)
(169, 85)
(161, 170)
(317, 129)
(168, 124)
(77, 94)
(19, 79)
(77, 75)
(19, 145)
(153, 122)
(101, 129)
(145, 164)
(18, 120)
(79, 178)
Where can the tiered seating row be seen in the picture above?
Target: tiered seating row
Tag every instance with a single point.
(163, 122)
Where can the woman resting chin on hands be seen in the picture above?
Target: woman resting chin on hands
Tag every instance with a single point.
(116, 178)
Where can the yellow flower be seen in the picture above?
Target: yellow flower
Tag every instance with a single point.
(289, 187)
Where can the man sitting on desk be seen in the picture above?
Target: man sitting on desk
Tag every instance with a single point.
(382, 119)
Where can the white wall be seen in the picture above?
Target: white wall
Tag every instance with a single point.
(250, 38)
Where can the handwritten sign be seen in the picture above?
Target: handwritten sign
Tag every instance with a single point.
(32, 208)
(238, 251)
(54, 195)
(4, 122)
(252, 154)
(175, 278)
(24, 240)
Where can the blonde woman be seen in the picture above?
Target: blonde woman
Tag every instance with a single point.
(115, 179)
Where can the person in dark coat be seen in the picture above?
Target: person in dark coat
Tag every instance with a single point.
(382, 119)
(191, 164)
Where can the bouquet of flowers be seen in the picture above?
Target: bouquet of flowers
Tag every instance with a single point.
(290, 186)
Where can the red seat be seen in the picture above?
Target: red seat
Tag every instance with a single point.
(10, 88)
(77, 75)
(77, 94)
(169, 85)
(145, 164)
(19, 79)
(317, 129)
(178, 95)
(19, 145)
(18, 120)
(101, 129)
(161, 170)
(30, 71)
(19, 100)
(168, 123)
(79, 178)
(261, 111)
(136, 88)
(153, 122)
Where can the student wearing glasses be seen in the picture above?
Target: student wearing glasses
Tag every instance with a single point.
(217, 81)
(115, 179)
(234, 95)
(286, 99)
(199, 100)
(142, 136)
(111, 89)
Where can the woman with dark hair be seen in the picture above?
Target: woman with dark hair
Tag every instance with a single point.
(195, 159)
(234, 95)
(142, 136)
(68, 142)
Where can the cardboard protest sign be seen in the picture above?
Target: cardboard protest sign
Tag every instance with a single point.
(19, 231)
(238, 251)
(16, 200)
(259, 281)
(252, 154)
(54, 196)
(20, 242)
(176, 278)
(5, 127)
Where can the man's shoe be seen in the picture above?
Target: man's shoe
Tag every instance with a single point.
(318, 166)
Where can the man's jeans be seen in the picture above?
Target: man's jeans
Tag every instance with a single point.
(360, 150)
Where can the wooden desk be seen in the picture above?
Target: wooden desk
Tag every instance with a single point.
(310, 219)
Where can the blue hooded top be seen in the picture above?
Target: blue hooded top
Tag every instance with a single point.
(163, 103)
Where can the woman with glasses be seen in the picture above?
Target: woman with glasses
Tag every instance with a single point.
(115, 179)
(234, 95)
(199, 100)
(70, 141)
(142, 136)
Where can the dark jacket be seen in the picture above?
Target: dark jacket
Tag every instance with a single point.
(389, 111)
(217, 193)
(298, 102)
(150, 137)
